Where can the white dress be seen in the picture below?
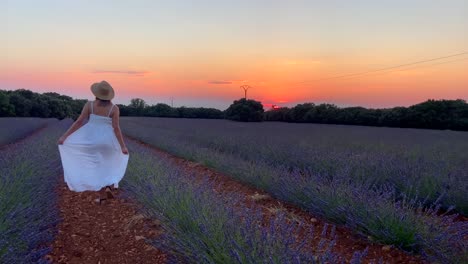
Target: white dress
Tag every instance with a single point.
(92, 157)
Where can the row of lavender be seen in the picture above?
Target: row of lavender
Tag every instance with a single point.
(202, 227)
(429, 162)
(15, 128)
(371, 179)
(28, 212)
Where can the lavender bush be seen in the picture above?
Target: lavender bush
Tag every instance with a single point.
(359, 176)
(13, 128)
(201, 227)
(28, 214)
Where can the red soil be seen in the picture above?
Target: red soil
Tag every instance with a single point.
(110, 232)
(347, 242)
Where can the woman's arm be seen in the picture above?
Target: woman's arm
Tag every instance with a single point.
(77, 124)
(117, 131)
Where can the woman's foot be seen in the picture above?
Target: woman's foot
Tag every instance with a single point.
(109, 193)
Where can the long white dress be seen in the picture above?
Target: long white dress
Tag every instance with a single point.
(92, 157)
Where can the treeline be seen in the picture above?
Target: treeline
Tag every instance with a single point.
(25, 103)
(433, 114)
(138, 107)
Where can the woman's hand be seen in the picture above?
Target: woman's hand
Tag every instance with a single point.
(61, 140)
(125, 150)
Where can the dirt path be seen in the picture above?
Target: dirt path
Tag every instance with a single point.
(346, 243)
(111, 232)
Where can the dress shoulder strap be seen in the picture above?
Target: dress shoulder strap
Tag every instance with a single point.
(110, 111)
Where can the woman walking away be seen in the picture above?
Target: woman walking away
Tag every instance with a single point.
(94, 154)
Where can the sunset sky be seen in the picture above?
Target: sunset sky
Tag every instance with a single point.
(201, 52)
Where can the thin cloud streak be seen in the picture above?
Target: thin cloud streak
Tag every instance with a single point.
(135, 73)
(220, 82)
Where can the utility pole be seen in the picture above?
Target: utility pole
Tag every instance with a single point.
(245, 87)
(172, 101)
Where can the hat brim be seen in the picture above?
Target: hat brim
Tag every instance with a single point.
(96, 92)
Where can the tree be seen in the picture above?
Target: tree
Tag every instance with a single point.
(323, 113)
(162, 110)
(125, 110)
(6, 109)
(298, 113)
(22, 105)
(245, 110)
(40, 107)
(278, 114)
(185, 112)
(137, 103)
(200, 112)
(76, 107)
(393, 117)
(59, 109)
(30, 95)
(138, 106)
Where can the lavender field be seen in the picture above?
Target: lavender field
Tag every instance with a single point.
(17, 128)
(29, 173)
(202, 227)
(198, 226)
(389, 184)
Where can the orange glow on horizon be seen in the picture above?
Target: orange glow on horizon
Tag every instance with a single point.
(274, 82)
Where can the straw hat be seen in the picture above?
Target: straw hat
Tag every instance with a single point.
(102, 90)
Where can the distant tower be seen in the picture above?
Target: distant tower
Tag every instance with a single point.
(245, 87)
(172, 101)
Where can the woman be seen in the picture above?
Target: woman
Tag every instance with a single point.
(94, 154)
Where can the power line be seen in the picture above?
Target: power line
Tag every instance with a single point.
(434, 64)
(410, 68)
(387, 68)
